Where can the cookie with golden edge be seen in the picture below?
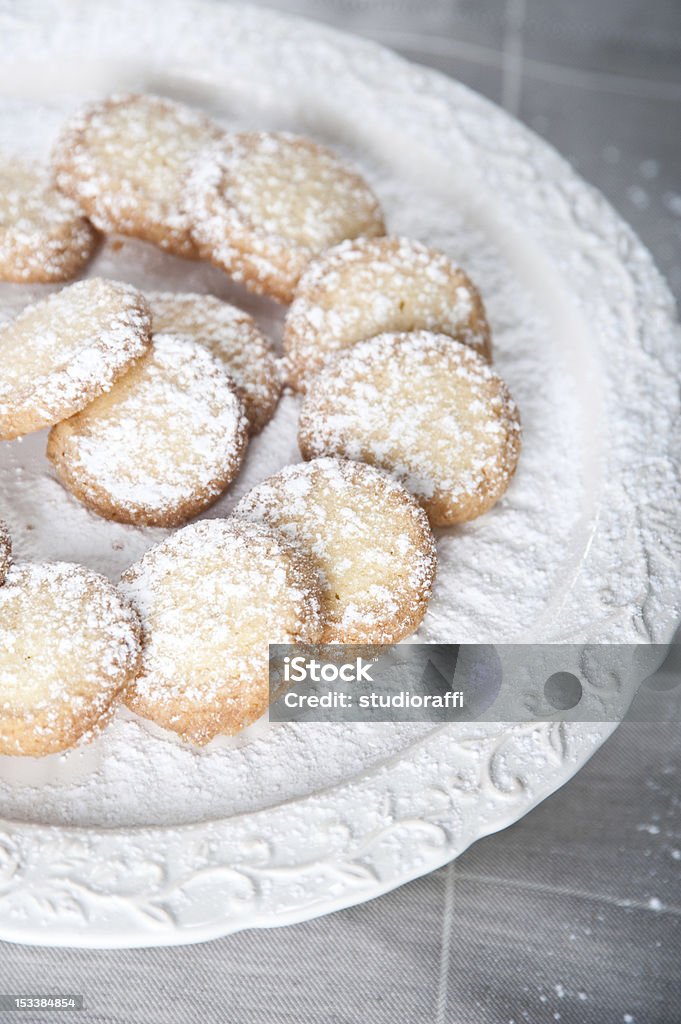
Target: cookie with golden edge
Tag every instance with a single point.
(264, 203)
(425, 408)
(5, 551)
(125, 161)
(59, 354)
(211, 599)
(44, 236)
(162, 445)
(371, 286)
(231, 335)
(368, 538)
(70, 645)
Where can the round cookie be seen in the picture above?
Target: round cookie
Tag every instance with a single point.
(5, 552)
(60, 354)
(125, 160)
(71, 644)
(43, 234)
(367, 537)
(233, 337)
(425, 408)
(263, 203)
(211, 598)
(370, 286)
(162, 445)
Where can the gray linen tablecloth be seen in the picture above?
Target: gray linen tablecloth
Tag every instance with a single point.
(574, 913)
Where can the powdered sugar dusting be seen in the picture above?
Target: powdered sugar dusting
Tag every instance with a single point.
(423, 407)
(70, 644)
(165, 443)
(43, 235)
(369, 286)
(233, 336)
(204, 674)
(262, 203)
(368, 539)
(61, 353)
(125, 161)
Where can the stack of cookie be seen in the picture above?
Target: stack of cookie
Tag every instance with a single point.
(389, 342)
(257, 204)
(147, 428)
(151, 401)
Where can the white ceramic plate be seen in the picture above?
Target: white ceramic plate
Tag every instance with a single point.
(137, 841)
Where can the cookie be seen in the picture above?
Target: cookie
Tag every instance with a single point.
(43, 234)
(211, 598)
(368, 538)
(425, 408)
(233, 337)
(125, 160)
(263, 203)
(371, 286)
(162, 445)
(60, 354)
(70, 645)
(5, 551)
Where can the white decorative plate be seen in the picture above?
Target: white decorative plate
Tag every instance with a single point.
(136, 840)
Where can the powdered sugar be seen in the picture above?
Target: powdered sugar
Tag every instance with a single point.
(369, 541)
(43, 235)
(126, 160)
(426, 409)
(203, 674)
(262, 203)
(60, 354)
(233, 336)
(70, 644)
(369, 286)
(164, 445)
